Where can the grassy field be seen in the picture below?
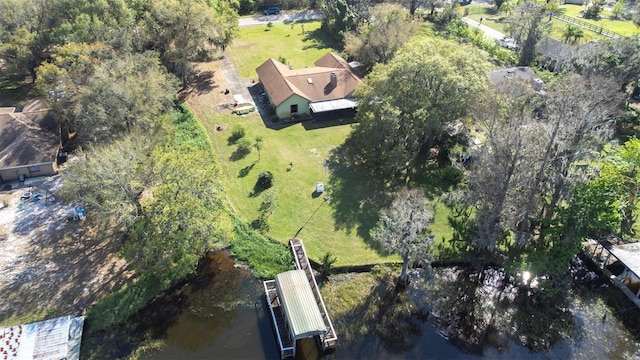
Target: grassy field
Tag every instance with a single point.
(307, 150)
(300, 44)
(496, 21)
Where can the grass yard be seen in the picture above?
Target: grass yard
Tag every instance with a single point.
(299, 43)
(622, 27)
(496, 22)
(307, 150)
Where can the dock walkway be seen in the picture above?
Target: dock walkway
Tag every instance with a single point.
(302, 263)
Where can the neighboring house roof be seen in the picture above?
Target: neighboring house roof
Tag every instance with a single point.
(28, 137)
(313, 83)
(520, 73)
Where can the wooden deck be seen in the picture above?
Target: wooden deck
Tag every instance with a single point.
(302, 263)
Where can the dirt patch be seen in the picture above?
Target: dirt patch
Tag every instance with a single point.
(51, 266)
(208, 92)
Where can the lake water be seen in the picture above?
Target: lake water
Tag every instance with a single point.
(226, 319)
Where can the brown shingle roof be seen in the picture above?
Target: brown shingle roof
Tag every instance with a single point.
(27, 138)
(313, 84)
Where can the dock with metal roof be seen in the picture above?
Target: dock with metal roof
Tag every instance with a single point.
(606, 256)
(296, 306)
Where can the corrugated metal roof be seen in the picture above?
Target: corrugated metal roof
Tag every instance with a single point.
(51, 339)
(300, 306)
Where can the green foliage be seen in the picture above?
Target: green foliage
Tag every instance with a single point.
(265, 180)
(270, 25)
(237, 133)
(266, 258)
(594, 9)
(406, 105)
(244, 146)
(326, 264)
(377, 40)
(184, 220)
(572, 34)
(619, 9)
(125, 93)
(119, 306)
(188, 132)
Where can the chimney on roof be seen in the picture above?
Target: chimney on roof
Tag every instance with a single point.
(333, 80)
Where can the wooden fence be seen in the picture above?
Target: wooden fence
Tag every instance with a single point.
(587, 25)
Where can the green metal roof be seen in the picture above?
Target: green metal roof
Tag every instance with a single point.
(300, 306)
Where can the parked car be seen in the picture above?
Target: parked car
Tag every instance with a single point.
(508, 43)
(271, 11)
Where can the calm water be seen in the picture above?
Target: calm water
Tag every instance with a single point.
(226, 319)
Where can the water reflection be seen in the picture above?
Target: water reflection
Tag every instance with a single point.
(459, 313)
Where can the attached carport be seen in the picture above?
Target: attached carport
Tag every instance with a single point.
(333, 109)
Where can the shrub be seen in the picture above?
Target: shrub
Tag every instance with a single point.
(265, 179)
(326, 264)
(238, 133)
(244, 146)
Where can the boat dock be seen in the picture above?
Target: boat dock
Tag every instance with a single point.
(620, 263)
(296, 306)
(302, 263)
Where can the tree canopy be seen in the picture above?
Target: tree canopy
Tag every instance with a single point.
(406, 105)
(377, 40)
(403, 228)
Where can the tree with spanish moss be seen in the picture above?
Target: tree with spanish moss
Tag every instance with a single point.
(403, 228)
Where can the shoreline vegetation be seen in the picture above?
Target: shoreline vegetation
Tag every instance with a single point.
(297, 155)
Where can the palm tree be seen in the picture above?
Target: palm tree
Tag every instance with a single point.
(507, 7)
(572, 34)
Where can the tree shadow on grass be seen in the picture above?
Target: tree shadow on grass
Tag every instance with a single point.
(357, 195)
(239, 154)
(319, 39)
(246, 170)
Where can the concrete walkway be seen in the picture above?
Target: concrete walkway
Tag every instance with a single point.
(489, 33)
(238, 88)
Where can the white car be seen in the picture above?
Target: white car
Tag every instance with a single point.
(508, 43)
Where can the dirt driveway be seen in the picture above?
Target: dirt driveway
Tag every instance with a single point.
(50, 266)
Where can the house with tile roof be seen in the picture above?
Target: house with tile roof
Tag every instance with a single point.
(29, 142)
(313, 91)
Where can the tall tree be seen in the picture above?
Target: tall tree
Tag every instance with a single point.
(91, 181)
(182, 30)
(527, 28)
(503, 166)
(406, 105)
(403, 228)
(184, 218)
(342, 16)
(377, 40)
(123, 94)
(28, 30)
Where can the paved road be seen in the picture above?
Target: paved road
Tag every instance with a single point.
(298, 16)
(489, 33)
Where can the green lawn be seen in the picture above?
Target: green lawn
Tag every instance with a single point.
(258, 43)
(496, 22)
(622, 27)
(307, 150)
